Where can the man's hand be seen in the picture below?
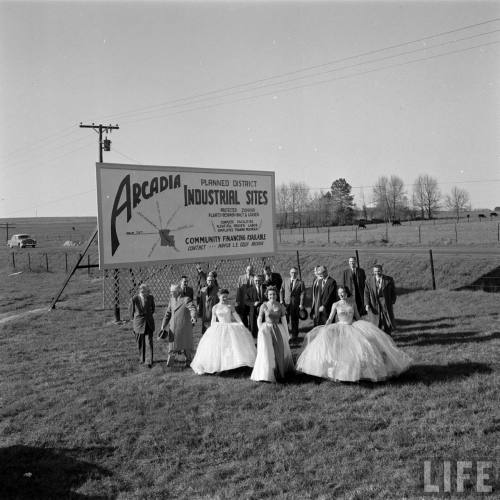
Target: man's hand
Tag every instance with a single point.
(256, 304)
(367, 307)
(321, 309)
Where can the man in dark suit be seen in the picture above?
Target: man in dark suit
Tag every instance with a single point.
(141, 310)
(272, 279)
(380, 297)
(324, 295)
(292, 297)
(201, 281)
(244, 282)
(186, 291)
(256, 296)
(208, 299)
(354, 278)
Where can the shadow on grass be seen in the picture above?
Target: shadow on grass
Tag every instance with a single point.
(470, 336)
(27, 472)
(489, 282)
(406, 291)
(402, 322)
(426, 374)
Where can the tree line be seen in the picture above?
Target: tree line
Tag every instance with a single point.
(390, 200)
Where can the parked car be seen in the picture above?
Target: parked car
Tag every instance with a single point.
(21, 241)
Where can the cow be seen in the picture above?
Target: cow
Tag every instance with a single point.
(481, 216)
(493, 214)
(396, 222)
(361, 224)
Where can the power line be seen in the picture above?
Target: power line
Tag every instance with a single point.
(320, 82)
(294, 72)
(302, 77)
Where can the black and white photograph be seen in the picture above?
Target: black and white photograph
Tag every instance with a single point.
(250, 249)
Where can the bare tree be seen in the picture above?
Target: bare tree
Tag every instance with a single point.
(291, 201)
(426, 195)
(380, 196)
(397, 196)
(457, 200)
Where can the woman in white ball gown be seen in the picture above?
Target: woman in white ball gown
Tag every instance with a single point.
(227, 344)
(274, 358)
(347, 351)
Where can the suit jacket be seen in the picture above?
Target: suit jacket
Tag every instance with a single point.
(178, 321)
(293, 296)
(325, 297)
(274, 280)
(208, 299)
(348, 280)
(140, 315)
(188, 293)
(241, 288)
(252, 297)
(381, 301)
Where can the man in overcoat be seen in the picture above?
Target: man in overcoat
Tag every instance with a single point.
(141, 309)
(324, 295)
(208, 299)
(380, 297)
(354, 278)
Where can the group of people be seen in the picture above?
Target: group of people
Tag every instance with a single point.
(350, 341)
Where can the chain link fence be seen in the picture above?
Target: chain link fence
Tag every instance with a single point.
(120, 284)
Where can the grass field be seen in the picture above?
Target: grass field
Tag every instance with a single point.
(81, 419)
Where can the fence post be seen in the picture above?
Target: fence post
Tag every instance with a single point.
(13, 260)
(357, 257)
(116, 290)
(66, 261)
(432, 270)
(328, 235)
(29, 261)
(419, 234)
(303, 236)
(298, 265)
(47, 262)
(279, 232)
(456, 234)
(356, 238)
(387, 231)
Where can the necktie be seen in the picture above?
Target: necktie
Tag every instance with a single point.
(292, 283)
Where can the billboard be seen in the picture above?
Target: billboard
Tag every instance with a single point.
(153, 214)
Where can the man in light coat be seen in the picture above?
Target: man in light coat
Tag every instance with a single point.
(177, 325)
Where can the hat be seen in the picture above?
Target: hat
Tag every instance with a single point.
(302, 314)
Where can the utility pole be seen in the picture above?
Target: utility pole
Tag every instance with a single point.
(104, 145)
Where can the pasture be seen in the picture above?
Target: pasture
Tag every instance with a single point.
(81, 419)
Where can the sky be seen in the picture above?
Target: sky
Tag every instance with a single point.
(313, 91)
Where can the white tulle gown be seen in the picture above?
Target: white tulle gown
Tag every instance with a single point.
(274, 358)
(225, 345)
(348, 352)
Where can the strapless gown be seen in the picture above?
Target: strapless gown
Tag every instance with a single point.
(274, 358)
(348, 352)
(225, 345)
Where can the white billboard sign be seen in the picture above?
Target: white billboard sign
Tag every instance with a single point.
(153, 214)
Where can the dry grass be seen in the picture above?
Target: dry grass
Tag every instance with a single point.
(81, 419)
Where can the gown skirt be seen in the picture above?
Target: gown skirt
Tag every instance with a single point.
(224, 346)
(274, 358)
(352, 352)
